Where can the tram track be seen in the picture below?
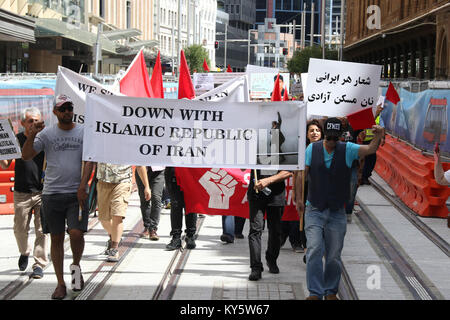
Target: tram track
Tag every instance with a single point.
(411, 278)
(412, 217)
(13, 288)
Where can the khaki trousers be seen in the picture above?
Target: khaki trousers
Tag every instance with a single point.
(25, 204)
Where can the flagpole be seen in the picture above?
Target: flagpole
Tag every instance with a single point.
(256, 179)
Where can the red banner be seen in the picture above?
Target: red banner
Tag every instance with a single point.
(222, 192)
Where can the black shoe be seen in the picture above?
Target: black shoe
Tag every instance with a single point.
(226, 238)
(174, 244)
(38, 273)
(255, 275)
(23, 262)
(304, 258)
(239, 236)
(190, 242)
(273, 268)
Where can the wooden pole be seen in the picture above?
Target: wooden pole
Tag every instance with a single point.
(256, 179)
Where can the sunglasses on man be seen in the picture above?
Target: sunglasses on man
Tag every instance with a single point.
(65, 107)
(332, 138)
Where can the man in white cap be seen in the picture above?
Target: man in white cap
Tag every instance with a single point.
(64, 188)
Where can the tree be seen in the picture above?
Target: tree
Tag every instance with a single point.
(195, 55)
(300, 60)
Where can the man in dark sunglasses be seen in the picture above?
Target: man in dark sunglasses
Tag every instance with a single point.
(328, 166)
(64, 188)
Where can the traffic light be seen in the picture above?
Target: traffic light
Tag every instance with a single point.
(285, 51)
(216, 45)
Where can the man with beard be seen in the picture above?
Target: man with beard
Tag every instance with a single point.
(64, 188)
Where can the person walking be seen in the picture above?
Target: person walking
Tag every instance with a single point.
(176, 213)
(266, 195)
(65, 189)
(151, 209)
(113, 192)
(328, 166)
(27, 200)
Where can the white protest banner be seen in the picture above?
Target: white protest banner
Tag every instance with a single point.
(235, 90)
(186, 133)
(9, 146)
(304, 77)
(337, 88)
(76, 87)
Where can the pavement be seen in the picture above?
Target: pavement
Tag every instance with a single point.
(218, 271)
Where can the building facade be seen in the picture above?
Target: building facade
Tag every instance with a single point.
(238, 23)
(410, 38)
(197, 25)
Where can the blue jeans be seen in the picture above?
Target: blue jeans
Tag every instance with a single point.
(353, 188)
(325, 231)
(228, 225)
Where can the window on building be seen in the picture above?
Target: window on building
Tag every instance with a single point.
(237, 9)
(297, 5)
(101, 8)
(287, 4)
(128, 14)
(231, 8)
(278, 4)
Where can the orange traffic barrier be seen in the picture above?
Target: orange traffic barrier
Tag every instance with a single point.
(411, 175)
(7, 198)
(6, 176)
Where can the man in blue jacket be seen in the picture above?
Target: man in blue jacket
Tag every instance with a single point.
(328, 168)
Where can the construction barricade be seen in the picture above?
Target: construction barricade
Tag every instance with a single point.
(7, 189)
(411, 175)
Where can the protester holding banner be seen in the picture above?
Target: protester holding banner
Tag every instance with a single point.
(176, 213)
(151, 209)
(64, 188)
(370, 161)
(27, 200)
(266, 194)
(350, 135)
(314, 133)
(328, 168)
(113, 192)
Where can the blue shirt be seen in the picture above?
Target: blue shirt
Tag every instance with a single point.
(351, 154)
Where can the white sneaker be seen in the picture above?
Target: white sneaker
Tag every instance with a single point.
(77, 278)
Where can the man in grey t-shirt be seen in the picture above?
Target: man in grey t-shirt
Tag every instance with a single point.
(64, 188)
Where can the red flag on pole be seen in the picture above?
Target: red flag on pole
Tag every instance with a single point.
(276, 94)
(391, 94)
(361, 119)
(185, 85)
(136, 81)
(286, 95)
(205, 65)
(157, 80)
(229, 69)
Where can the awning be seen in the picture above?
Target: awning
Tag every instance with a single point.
(57, 28)
(16, 28)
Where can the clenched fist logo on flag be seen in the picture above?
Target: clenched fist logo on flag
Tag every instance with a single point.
(220, 187)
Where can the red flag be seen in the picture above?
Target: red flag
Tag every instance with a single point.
(286, 95)
(185, 85)
(222, 192)
(205, 65)
(391, 94)
(276, 94)
(136, 82)
(229, 69)
(361, 119)
(157, 80)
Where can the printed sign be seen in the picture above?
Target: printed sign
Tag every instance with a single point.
(9, 147)
(336, 88)
(186, 133)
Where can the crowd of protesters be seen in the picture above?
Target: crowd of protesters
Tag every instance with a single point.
(324, 196)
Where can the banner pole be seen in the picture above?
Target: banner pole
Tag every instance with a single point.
(256, 179)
